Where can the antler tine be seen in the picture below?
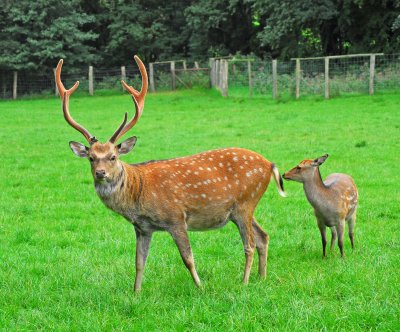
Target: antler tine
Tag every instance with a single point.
(64, 94)
(137, 97)
(117, 132)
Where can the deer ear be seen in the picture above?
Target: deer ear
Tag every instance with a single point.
(79, 149)
(320, 160)
(127, 145)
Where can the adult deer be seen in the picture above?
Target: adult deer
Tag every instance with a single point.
(198, 192)
(334, 200)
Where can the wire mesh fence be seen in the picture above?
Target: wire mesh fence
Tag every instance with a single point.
(321, 76)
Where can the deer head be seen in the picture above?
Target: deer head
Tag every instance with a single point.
(305, 170)
(104, 157)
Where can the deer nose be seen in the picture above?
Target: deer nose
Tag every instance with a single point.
(100, 174)
(284, 175)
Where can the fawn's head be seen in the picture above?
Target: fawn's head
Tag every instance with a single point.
(104, 157)
(305, 169)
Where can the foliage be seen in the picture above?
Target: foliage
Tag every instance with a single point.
(35, 35)
(67, 263)
(331, 27)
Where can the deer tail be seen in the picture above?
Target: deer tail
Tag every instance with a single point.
(278, 180)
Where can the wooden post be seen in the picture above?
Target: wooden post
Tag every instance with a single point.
(15, 85)
(224, 78)
(371, 74)
(55, 83)
(298, 75)
(212, 70)
(91, 80)
(327, 77)
(250, 79)
(275, 78)
(152, 86)
(196, 65)
(173, 80)
(123, 76)
(221, 75)
(217, 73)
(184, 64)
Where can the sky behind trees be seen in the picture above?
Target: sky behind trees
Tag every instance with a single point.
(35, 34)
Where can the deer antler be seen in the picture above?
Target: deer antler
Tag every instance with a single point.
(138, 100)
(64, 94)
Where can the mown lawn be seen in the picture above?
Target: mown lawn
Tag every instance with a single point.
(67, 263)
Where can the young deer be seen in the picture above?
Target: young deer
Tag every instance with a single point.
(198, 192)
(334, 200)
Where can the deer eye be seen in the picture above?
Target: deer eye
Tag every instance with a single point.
(91, 159)
(112, 158)
(298, 168)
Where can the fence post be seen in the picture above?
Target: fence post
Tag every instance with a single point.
(371, 74)
(298, 73)
(196, 65)
(217, 73)
(275, 78)
(250, 79)
(327, 78)
(152, 86)
(212, 72)
(224, 78)
(184, 65)
(327, 92)
(123, 76)
(55, 83)
(15, 85)
(173, 81)
(91, 80)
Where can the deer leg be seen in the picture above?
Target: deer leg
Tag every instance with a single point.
(262, 239)
(334, 236)
(340, 230)
(322, 229)
(351, 224)
(246, 232)
(142, 249)
(181, 239)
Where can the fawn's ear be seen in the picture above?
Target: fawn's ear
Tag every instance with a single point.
(127, 145)
(79, 149)
(320, 160)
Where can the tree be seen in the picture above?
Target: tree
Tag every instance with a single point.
(308, 28)
(153, 29)
(221, 27)
(35, 35)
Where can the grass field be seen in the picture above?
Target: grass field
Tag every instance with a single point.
(67, 263)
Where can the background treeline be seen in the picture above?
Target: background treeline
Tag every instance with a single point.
(35, 34)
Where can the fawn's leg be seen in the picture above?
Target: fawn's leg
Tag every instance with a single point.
(351, 223)
(322, 229)
(334, 236)
(340, 231)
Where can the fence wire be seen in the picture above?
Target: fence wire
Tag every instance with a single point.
(246, 77)
(347, 75)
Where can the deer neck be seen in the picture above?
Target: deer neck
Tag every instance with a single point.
(122, 193)
(315, 189)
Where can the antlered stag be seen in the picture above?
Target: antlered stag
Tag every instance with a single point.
(198, 192)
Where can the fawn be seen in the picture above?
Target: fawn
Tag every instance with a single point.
(198, 192)
(334, 200)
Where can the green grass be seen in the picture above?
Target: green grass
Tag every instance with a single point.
(67, 263)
